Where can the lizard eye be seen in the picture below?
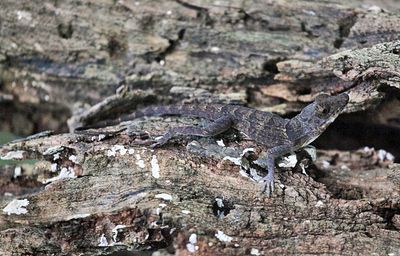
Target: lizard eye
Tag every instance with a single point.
(325, 110)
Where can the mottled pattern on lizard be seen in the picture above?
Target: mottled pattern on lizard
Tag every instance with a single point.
(277, 135)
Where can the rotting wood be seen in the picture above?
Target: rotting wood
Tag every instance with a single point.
(117, 186)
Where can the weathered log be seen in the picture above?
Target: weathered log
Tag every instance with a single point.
(162, 196)
(71, 54)
(111, 193)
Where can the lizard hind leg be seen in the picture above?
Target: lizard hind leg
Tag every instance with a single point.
(272, 154)
(218, 126)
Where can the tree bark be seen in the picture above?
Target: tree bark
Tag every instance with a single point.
(110, 193)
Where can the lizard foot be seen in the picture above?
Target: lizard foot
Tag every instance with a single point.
(268, 184)
(159, 142)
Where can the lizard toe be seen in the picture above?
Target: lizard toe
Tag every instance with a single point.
(156, 145)
(268, 185)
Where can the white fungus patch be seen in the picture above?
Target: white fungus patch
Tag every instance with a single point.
(17, 207)
(235, 160)
(185, 211)
(368, 149)
(220, 202)
(17, 172)
(123, 151)
(56, 156)
(53, 167)
(311, 151)
(319, 204)
(155, 168)
(389, 156)
(254, 175)
(375, 9)
(221, 143)
(193, 239)
(246, 150)
(140, 163)
(255, 251)
(243, 173)
(310, 12)
(17, 155)
(101, 137)
(238, 160)
(78, 216)
(303, 169)
(103, 241)
(115, 231)
(222, 237)
(131, 151)
(110, 153)
(53, 150)
(164, 196)
(381, 154)
(73, 159)
(325, 164)
(65, 173)
(116, 149)
(345, 168)
(384, 155)
(215, 49)
(191, 246)
(162, 62)
(24, 15)
(288, 161)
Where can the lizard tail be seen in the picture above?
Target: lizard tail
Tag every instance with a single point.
(184, 109)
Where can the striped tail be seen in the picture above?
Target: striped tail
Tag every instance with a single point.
(209, 111)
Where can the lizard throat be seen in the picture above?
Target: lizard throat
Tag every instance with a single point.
(312, 135)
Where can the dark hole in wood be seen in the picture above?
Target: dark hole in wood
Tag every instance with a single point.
(114, 46)
(222, 211)
(349, 133)
(65, 30)
(304, 90)
(270, 66)
(338, 43)
(396, 51)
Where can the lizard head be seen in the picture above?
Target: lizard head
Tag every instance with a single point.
(315, 118)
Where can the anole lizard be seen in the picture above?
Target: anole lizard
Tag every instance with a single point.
(277, 135)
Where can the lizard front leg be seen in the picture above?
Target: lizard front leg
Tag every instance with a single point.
(218, 126)
(272, 154)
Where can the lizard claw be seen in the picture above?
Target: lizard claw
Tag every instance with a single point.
(159, 142)
(268, 184)
(156, 145)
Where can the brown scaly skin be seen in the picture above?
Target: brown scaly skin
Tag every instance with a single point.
(277, 135)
